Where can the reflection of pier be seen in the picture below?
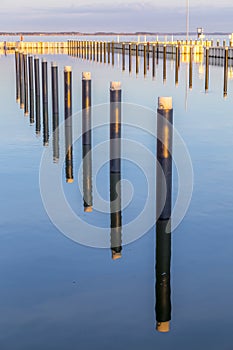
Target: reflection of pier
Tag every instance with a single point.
(163, 209)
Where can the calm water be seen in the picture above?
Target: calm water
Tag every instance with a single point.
(58, 294)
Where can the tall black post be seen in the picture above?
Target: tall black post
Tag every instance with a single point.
(17, 76)
(45, 102)
(163, 207)
(31, 88)
(55, 111)
(37, 93)
(115, 169)
(68, 123)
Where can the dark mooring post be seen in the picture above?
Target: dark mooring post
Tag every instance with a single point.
(31, 88)
(163, 208)
(148, 56)
(86, 141)
(94, 49)
(101, 52)
(137, 60)
(68, 123)
(207, 69)
(44, 70)
(115, 169)
(105, 52)
(55, 111)
(177, 66)
(157, 53)
(145, 58)
(17, 80)
(37, 93)
(97, 51)
(130, 57)
(164, 63)
(123, 56)
(113, 53)
(153, 60)
(21, 76)
(191, 68)
(109, 52)
(225, 72)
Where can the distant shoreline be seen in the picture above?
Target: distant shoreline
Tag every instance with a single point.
(103, 33)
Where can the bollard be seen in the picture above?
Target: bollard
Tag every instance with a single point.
(68, 123)
(145, 65)
(164, 63)
(44, 71)
(225, 72)
(153, 60)
(86, 141)
(21, 76)
(207, 69)
(163, 208)
(191, 68)
(137, 60)
(105, 52)
(37, 93)
(115, 169)
(17, 81)
(55, 111)
(31, 88)
(123, 56)
(130, 57)
(109, 51)
(177, 66)
(113, 53)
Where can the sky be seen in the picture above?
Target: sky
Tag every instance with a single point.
(117, 15)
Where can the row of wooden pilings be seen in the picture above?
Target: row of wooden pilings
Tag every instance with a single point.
(105, 53)
(28, 74)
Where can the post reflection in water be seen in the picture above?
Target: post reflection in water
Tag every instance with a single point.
(86, 141)
(68, 123)
(163, 207)
(115, 169)
(17, 76)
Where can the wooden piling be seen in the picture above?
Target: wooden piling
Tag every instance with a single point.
(21, 76)
(164, 63)
(163, 225)
(177, 66)
(225, 72)
(115, 170)
(31, 88)
(17, 76)
(55, 111)
(191, 68)
(68, 123)
(207, 69)
(113, 53)
(137, 60)
(144, 60)
(44, 71)
(37, 93)
(130, 57)
(123, 56)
